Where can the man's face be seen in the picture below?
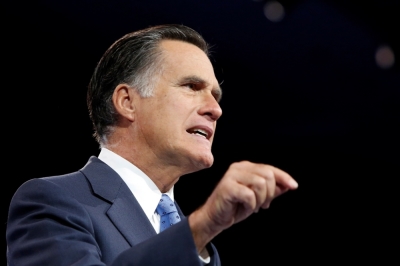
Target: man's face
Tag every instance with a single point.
(177, 124)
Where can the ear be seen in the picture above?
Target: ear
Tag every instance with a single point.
(123, 99)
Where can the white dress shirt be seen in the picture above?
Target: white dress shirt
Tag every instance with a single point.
(143, 188)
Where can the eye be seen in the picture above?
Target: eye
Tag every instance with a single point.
(191, 86)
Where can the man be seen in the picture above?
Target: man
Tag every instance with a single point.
(153, 100)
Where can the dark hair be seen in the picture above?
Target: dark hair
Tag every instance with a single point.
(134, 59)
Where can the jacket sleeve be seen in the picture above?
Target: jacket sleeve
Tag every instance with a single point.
(174, 246)
(46, 226)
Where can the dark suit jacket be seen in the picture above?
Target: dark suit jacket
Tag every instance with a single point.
(90, 217)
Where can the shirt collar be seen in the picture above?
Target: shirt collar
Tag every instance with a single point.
(142, 187)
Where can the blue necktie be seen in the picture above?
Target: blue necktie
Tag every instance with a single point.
(168, 213)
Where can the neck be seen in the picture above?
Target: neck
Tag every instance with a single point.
(162, 174)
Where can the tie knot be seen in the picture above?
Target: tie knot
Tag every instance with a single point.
(166, 205)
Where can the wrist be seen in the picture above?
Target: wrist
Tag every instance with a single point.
(203, 230)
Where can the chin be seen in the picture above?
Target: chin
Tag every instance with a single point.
(202, 162)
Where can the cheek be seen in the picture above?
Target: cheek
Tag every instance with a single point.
(179, 108)
(188, 100)
(172, 112)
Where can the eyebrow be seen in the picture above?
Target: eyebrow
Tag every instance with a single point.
(216, 91)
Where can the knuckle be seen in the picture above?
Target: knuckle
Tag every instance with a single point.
(235, 165)
(240, 165)
(245, 163)
(249, 197)
(260, 182)
(269, 174)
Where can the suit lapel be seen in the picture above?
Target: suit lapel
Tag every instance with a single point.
(127, 216)
(124, 212)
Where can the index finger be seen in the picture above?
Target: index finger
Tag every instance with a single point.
(282, 178)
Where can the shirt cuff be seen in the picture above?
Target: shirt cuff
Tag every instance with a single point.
(205, 260)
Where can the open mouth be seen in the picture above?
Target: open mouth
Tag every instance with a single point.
(199, 132)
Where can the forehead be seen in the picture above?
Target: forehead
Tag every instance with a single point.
(184, 59)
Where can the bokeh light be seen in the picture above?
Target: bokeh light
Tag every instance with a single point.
(274, 11)
(384, 57)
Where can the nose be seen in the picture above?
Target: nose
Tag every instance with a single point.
(210, 108)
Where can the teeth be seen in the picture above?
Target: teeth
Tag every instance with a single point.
(200, 132)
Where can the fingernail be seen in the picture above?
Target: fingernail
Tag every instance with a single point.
(293, 183)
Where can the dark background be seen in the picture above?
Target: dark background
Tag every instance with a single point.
(304, 94)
